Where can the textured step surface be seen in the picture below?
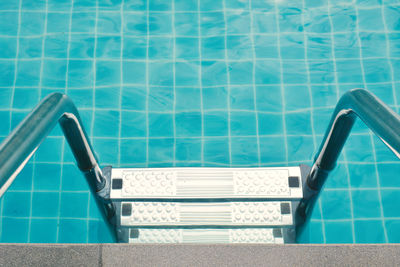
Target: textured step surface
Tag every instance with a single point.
(272, 213)
(259, 235)
(206, 183)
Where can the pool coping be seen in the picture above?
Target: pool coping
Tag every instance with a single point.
(198, 255)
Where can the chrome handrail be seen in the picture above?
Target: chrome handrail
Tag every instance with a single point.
(382, 120)
(20, 145)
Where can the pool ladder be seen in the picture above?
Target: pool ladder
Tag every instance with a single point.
(195, 205)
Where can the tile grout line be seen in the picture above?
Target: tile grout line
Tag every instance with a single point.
(254, 80)
(12, 98)
(200, 80)
(370, 134)
(174, 80)
(94, 67)
(63, 139)
(147, 81)
(121, 88)
(40, 97)
(281, 81)
(228, 77)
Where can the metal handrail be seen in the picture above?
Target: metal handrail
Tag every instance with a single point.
(21, 144)
(382, 120)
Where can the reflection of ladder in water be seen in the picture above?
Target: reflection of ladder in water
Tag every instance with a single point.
(209, 205)
(192, 205)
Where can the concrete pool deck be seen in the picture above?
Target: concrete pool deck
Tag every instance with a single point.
(198, 255)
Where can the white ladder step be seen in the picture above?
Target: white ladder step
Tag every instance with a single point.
(249, 235)
(264, 213)
(206, 183)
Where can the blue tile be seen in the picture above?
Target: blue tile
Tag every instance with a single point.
(188, 149)
(267, 72)
(386, 174)
(189, 5)
(213, 73)
(270, 124)
(24, 179)
(54, 73)
(188, 124)
(8, 47)
(135, 24)
(161, 125)
(215, 98)
(14, 230)
(237, 22)
(369, 231)
(9, 25)
(216, 123)
(17, 204)
(107, 97)
(339, 232)
(210, 5)
(294, 72)
(161, 74)
(82, 98)
(45, 204)
(161, 150)
(25, 98)
(187, 48)
(133, 151)
(30, 47)
(133, 98)
(187, 73)
(241, 72)
(370, 19)
(107, 150)
(133, 124)
(50, 150)
(83, 22)
(46, 176)
(353, 151)
(213, 48)
(9, 5)
(266, 46)
(186, 23)
(56, 46)
(106, 123)
(57, 22)
(243, 123)
(366, 204)
(349, 71)
(160, 24)
(292, 46)
(73, 179)
(108, 47)
(99, 233)
(74, 205)
(391, 17)
(7, 73)
(239, 47)
(160, 48)
(376, 70)
(33, 5)
(264, 22)
(72, 231)
(393, 230)
(187, 99)
(109, 23)
(269, 98)
(81, 46)
(290, 20)
(28, 73)
(216, 150)
(296, 97)
(363, 175)
(135, 5)
(298, 123)
(43, 231)
(244, 151)
(336, 204)
(212, 23)
(300, 148)
(160, 99)
(272, 149)
(390, 200)
(108, 73)
(134, 72)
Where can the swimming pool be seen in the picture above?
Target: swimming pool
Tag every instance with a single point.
(199, 83)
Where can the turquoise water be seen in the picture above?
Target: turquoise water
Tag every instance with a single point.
(200, 83)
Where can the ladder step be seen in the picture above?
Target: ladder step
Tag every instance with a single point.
(206, 183)
(270, 213)
(249, 235)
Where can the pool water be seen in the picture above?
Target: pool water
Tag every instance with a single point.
(228, 83)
